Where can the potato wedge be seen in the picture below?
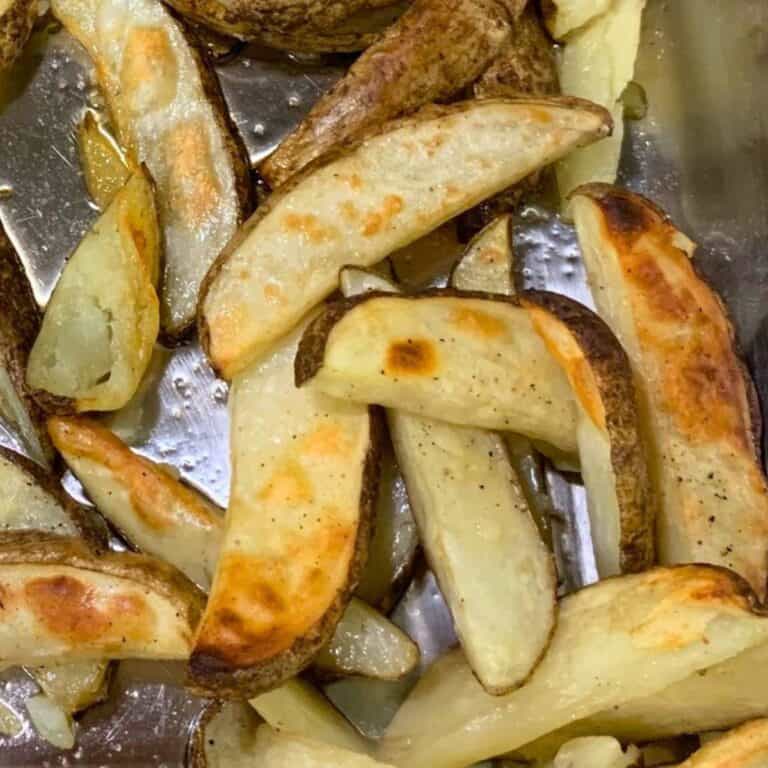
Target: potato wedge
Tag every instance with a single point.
(309, 26)
(297, 707)
(597, 63)
(622, 508)
(623, 638)
(398, 74)
(379, 196)
(169, 114)
(564, 16)
(62, 601)
(305, 474)
(743, 747)
(75, 686)
(386, 654)
(596, 752)
(105, 169)
(486, 264)
(19, 326)
(225, 736)
(493, 568)
(155, 512)
(101, 323)
(17, 17)
(712, 490)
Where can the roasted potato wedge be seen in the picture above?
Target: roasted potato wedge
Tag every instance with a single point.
(597, 63)
(19, 326)
(17, 17)
(622, 508)
(62, 601)
(398, 74)
(297, 707)
(168, 113)
(74, 686)
(105, 169)
(367, 644)
(310, 26)
(305, 474)
(564, 16)
(154, 511)
(596, 752)
(101, 323)
(486, 264)
(743, 747)
(379, 196)
(493, 568)
(623, 638)
(696, 396)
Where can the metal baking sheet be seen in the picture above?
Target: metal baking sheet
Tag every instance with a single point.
(701, 152)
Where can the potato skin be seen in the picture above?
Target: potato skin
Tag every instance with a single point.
(211, 677)
(434, 50)
(15, 28)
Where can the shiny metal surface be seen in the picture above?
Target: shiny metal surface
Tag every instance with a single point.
(701, 152)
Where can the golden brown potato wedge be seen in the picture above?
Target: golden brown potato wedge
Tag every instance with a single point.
(495, 572)
(356, 209)
(102, 321)
(297, 707)
(617, 640)
(743, 747)
(435, 49)
(169, 114)
(17, 17)
(305, 475)
(697, 403)
(105, 169)
(309, 26)
(597, 63)
(19, 326)
(62, 601)
(154, 511)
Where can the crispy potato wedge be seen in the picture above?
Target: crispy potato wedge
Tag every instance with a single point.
(62, 601)
(596, 752)
(387, 653)
(169, 114)
(493, 568)
(486, 264)
(101, 323)
(623, 638)
(17, 17)
(712, 490)
(379, 196)
(105, 169)
(19, 326)
(564, 16)
(597, 63)
(297, 707)
(743, 747)
(398, 74)
(305, 474)
(154, 511)
(310, 26)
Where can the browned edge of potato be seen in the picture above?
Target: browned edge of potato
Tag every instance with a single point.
(19, 326)
(16, 24)
(613, 402)
(697, 402)
(743, 747)
(434, 50)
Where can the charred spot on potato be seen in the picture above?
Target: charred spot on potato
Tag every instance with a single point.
(624, 216)
(416, 357)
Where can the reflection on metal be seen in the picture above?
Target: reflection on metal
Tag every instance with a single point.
(701, 152)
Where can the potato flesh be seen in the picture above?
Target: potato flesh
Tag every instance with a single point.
(74, 686)
(14, 412)
(596, 752)
(486, 264)
(712, 492)
(469, 362)
(367, 644)
(164, 119)
(101, 323)
(386, 193)
(597, 63)
(296, 707)
(292, 525)
(623, 638)
(744, 747)
(568, 15)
